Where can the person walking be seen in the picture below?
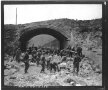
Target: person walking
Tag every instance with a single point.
(79, 51)
(76, 62)
(48, 61)
(37, 60)
(43, 63)
(26, 61)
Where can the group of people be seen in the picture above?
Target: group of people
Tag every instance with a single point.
(50, 58)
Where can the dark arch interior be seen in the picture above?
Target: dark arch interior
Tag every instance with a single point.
(29, 34)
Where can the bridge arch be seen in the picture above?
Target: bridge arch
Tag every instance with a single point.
(27, 35)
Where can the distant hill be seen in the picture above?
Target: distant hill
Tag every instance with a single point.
(54, 44)
(40, 40)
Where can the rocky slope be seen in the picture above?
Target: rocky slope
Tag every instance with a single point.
(14, 76)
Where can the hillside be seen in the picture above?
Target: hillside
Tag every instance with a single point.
(87, 34)
(54, 44)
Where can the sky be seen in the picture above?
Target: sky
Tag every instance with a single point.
(41, 12)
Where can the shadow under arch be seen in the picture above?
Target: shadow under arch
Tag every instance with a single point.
(27, 35)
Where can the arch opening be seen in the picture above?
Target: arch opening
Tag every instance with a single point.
(45, 41)
(27, 35)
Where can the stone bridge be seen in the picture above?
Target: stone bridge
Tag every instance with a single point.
(58, 28)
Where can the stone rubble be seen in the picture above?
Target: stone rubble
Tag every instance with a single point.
(14, 76)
